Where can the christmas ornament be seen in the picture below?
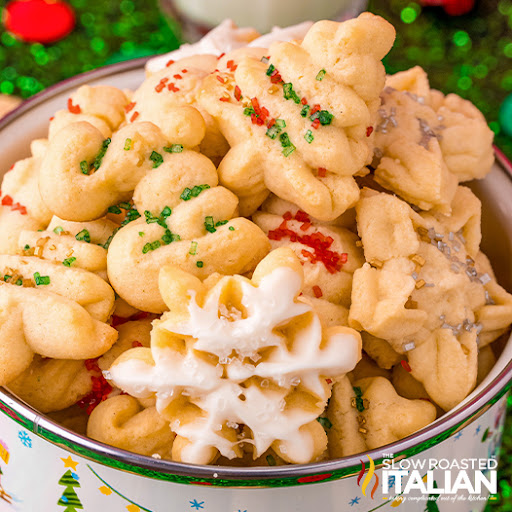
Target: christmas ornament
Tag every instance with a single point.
(506, 115)
(39, 21)
(451, 7)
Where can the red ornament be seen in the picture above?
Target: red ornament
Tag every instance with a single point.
(451, 7)
(39, 21)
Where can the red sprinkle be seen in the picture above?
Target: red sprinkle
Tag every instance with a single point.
(7, 201)
(74, 109)
(9, 170)
(220, 79)
(136, 344)
(322, 172)
(172, 87)
(134, 116)
(170, 63)
(101, 389)
(161, 84)
(20, 208)
(238, 93)
(304, 101)
(184, 70)
(315, 109)
(52, 118)
(406, 366)
(128, 107)
(271, 123)
(316, 124)
(305, 226)
(177, 76)
(369, 131)
(221, 55)
(318, 242)
(329, 381)
(224, 99)
(317, 291)
(275, 77)
(231, 65)
(255, 105)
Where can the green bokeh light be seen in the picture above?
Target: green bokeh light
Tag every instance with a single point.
(408, 15)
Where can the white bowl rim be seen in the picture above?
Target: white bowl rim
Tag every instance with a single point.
(443, 428)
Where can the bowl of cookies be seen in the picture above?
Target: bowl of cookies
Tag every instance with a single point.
(153, 227)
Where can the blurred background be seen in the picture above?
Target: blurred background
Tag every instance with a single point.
(464, 45)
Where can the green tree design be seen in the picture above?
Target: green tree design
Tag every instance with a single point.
(69, 499)
(431, 501)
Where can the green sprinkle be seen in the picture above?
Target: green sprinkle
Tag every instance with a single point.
(157, 159)
(186, 194)
(193, 192)
(141, 233)
(273, 132)
(27, 247)
(309, 136)
(151, 246)
(357, 391)
(271, 461)
(289, 150)
(106, 245)
(174, 148)
(221, 223)
(280, 123)
(271, 69)
(285, 140)
(193, 248)
(83, 236)
(321, 75)
(114, 209)
(131, 215)
(290, 94)
(84, 167)
(198, 189)
(324, 116)
(168, 237)
(209, 224)
(249, 111)
(150, 218)
(128, 144)
(305, 110)
(6, 278)
(125, 206)
(41, 280)
(101, 154)
(58, 230)
(166, 212)
(325, 422)
(69, 261)
(359, 404)
(231, 228)
(19, 282)
(199, 264)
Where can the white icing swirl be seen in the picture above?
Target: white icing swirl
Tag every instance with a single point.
(265, 354)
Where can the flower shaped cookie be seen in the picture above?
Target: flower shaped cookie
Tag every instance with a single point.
(83, 173)
(369, 413)
(426, 143)
(329, 253)
(233, 352)
(188, 221)
(55, 384)
(423, 291)
(299, 123)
